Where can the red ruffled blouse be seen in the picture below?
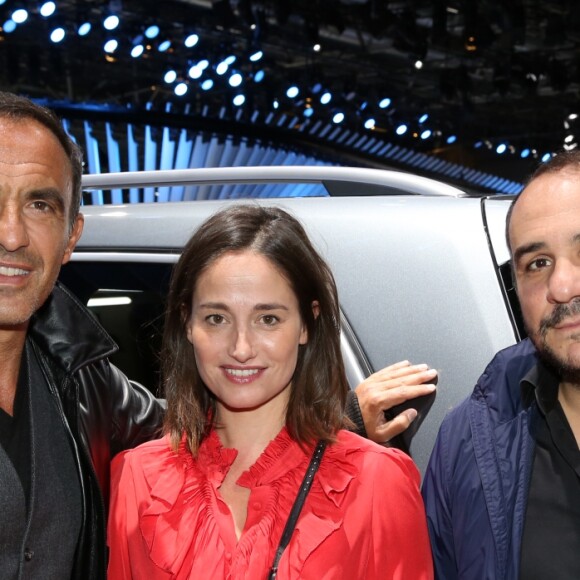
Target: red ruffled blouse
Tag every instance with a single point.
(363, 518)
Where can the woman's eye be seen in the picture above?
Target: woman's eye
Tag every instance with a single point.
(215, 319)
(269, 319)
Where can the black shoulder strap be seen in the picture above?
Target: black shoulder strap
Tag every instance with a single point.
(297, 507)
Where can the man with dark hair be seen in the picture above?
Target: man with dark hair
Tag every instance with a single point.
(64, 410)
(501, 489)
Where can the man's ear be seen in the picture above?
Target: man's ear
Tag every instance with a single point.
(73, 238)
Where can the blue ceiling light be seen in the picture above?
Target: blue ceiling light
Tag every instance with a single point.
(57, 35)
(111, 22)
(222, 68)
(401, 129)
(235, 80)
(170, 76)
(164, 46)
(84, 29)
(525, 153)
(20, 15)
(370, 124)
(47, 9)
(451, 139)
(259, 76)
(195, 72)
(180, 89)
(230, 59)
(384, 103)
(203, 64)
(137, 50)
(191, 40)
(423, 118)
(276, 104)
(308, 112)
(292, 92)
(9, 26)
(338, 118)
(316, 88)
(426, 134)
(207, 84)
(152, 31)
(546, 157)
(111, 46)
(501, 148)
(325, 98)
(239, 100)
(256, 56)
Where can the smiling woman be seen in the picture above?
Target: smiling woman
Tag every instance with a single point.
(256, 392)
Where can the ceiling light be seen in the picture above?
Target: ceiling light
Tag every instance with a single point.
(546, 157)
(170, 76)
(525, 153)
(84, 29)
(207, 84)
(326, 98)
(426, 134)
(239, 100)
(137, 50)
(370, 124)
(338, 118)
(235, 80)
(19, 16)
(180, 89)
(501, 148)
(164, 46)
(256, 56)
(191, 40)
(9, 26)
(401, 129)
(292, 92)
(47, 9)
(259, 76)
(111, 46)
(418, 64)
(384, 103)
(423, 118)
(451, 139)
(111, 22)
(152, 31)
(57, 35)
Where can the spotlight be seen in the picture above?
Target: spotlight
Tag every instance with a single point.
(111, 22)
(546, 157)
(569, 138)
(235, 80)
(152, 31)
(9, 26)
(426, 134)
(137, 50)
(317, 47)
(256, 56)
(180, 89)
(292, 92)
(19, 16)
(164, 46)
(401, 129)
(195, 72)
(276, 104)
(207, 85)
(47, 9)
(384, 103)
(239, 100)
(111, 46)
(423, 118)
(221, 68)
(370, 124)
(57, 35)
(572, 116)
(418, 64)
(230, 60)
(325, 98)
(525, 153)
(308, 112)
(170, 76)
(451, 139)
(501, 148)
(338, 118)
(259, 76)
(191, 40)
(203, 64)
(84, 29)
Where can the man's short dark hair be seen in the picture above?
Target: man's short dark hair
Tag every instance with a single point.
(15, 107)
(559, 162)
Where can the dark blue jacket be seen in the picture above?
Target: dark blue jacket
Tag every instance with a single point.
(477, 480)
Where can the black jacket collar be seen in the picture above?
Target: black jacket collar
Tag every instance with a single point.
(65, 329)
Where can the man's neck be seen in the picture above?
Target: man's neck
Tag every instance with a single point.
(569, 397)
(11, 348)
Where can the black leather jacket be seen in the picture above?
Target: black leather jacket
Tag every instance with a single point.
(102, 410)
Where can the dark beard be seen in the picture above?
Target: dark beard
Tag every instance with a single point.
(567, 371)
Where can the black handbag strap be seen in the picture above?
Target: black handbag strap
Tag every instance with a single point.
(297, 507)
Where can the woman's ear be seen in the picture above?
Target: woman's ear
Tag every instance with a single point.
(304, 330)
(315, 308)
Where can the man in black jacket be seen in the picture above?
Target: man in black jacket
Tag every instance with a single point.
(64, 410)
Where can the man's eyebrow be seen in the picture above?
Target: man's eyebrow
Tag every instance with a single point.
(528, 249)
(48, 194)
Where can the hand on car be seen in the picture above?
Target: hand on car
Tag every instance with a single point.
(389, 387)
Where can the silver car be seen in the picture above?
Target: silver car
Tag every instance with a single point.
(422, 268)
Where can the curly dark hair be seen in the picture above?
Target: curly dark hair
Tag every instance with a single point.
(319, 385)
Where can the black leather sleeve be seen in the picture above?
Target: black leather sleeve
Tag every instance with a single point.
(353, 412)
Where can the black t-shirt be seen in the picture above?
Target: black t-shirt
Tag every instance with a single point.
(551, 539)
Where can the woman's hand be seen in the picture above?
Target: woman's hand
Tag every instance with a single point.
(389, 387)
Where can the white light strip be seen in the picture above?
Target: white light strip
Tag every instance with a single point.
(110, 301)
